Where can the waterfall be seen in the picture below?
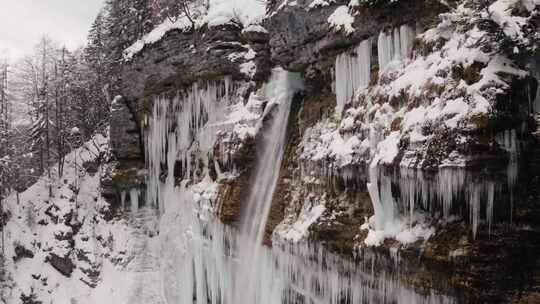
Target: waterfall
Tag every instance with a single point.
(353, 72)
(280, 90)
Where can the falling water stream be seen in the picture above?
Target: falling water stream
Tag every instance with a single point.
(280, 90)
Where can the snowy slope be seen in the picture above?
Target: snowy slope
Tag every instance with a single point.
(92, 256)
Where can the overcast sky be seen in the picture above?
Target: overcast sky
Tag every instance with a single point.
(23, 22)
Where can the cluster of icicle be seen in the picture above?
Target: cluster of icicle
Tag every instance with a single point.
(204, 261)
(440, 192)
(395, 45)
(437, 194)
(181, 128)
(134, 195)
(353, 69)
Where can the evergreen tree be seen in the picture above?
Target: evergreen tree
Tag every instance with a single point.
(126, 21)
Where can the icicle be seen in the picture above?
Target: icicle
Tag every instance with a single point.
(395, 45)
(385, 50)
(408, 189)
(380, 192)
(406, 36)
(134, 199)
(373, 190)
(438, 193)
(181, 128)
(352, 73)
(509, 142)
(450, 183)
(536, 101)
(489, 209)
(123, 199)
(474, 208)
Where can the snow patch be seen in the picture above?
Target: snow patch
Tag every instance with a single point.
(299, 229)
(320, 3)
(156, 35)
(341, 19)
(402, 230)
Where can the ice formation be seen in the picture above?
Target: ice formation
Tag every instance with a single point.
(204, 261)
(394, 134)
(395, 45)
(508, 141)
(380, 192)
(134, 199)
(535, 106)
(353, 72)
(439, 193)
(182, 127)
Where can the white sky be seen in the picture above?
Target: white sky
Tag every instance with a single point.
(23, 22)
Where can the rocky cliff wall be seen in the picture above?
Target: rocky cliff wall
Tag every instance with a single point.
(459, 53)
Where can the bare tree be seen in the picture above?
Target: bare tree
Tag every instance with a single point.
(6, 153)
(35, 82)
(176, 9)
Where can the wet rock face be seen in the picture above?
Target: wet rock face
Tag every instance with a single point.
(124, 175)
(127, 147)
(301, 36)
(161, 67)
(233, 192)
(125, 134)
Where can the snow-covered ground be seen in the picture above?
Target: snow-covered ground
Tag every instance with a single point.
(99, 261)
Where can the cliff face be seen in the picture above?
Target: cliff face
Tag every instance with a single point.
(414, 133)
(302, 38)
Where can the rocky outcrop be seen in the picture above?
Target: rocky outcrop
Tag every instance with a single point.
(302, 39)
(126, 172)
(126, 137)
(22, 252)
(64, 265)
(207, 53)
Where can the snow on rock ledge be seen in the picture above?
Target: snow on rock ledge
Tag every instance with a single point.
(341, 19)
(248, 13)
(415, 100)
